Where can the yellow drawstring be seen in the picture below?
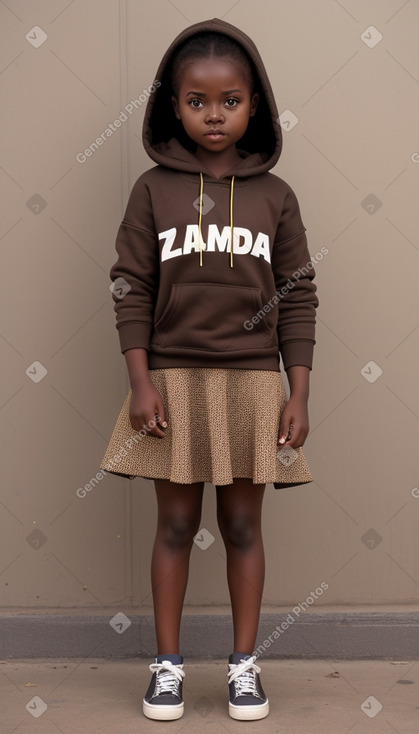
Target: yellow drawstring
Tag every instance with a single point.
(202, 245)
(231, 221)
(201, 239)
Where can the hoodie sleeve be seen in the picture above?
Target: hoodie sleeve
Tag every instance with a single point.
(296, 292)
(135, 275)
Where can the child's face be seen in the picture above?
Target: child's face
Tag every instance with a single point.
(214, 104)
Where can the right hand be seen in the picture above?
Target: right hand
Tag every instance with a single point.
(146, 403)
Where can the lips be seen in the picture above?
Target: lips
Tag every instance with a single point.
(215, 136)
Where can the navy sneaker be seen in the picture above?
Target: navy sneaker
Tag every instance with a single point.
(163, 700)
(248, 701)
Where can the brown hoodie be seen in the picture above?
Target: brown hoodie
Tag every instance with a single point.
(179, 291)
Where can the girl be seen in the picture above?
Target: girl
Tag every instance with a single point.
(212, 283)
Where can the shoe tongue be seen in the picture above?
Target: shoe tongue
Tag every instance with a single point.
(175, 659)
(236, 657)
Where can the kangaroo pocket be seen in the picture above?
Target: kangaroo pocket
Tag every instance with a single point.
(213, 317)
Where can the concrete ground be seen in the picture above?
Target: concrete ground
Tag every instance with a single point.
(74, 696)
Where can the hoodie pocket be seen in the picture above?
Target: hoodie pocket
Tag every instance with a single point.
(214, 317)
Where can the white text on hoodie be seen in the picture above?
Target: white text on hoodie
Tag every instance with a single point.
(243, 243)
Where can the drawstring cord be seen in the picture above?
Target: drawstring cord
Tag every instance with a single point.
(201, 239)
(231, 221)
(202, 245)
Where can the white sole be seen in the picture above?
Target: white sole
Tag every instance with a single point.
(163, 713)
(248, 713)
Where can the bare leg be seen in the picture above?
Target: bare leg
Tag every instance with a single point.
(239, 511)
(179, 515)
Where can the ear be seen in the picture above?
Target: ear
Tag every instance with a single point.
(253, 104)
(175, 106)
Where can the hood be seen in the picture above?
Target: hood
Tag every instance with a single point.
(164, 139)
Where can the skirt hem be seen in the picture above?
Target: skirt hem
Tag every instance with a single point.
(276, 484)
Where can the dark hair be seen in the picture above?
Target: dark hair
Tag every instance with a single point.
(210, 44)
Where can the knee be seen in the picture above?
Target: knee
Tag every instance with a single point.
(178, 531)
(239, 530)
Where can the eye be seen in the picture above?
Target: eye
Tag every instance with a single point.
(196, 104)
(231, 102)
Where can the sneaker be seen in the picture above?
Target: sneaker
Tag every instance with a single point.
(163, 700)
(248, 701)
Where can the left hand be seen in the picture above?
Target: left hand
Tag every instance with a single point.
(294, 425)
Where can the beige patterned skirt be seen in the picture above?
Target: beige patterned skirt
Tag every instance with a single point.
(222, 424)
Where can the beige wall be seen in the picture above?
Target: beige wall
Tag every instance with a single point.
(357, 136)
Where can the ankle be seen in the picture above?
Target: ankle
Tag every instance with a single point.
(173, 658)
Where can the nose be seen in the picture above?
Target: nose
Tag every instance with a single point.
(214, 114)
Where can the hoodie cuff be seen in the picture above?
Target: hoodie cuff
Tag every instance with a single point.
(297, 353)
(135, 335)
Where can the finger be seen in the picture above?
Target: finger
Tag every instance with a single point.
(147, 423)
(154, 427)
(294, 443)
(285, 434)
(160, 412)
(297, 439)
(158, 424)
(160, 420)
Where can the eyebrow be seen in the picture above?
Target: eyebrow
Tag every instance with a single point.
(201, 94)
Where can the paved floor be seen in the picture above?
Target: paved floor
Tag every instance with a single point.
(306, 696)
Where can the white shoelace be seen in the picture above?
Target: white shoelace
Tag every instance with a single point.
(244, 677)
(168, 677)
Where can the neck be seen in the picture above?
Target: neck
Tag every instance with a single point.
(218, 163)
